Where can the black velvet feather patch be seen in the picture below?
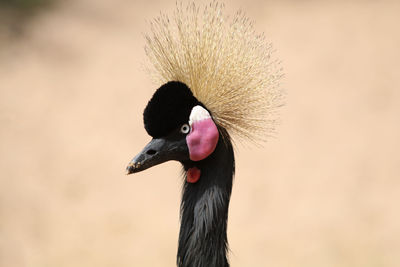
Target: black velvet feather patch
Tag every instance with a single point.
(168, 109)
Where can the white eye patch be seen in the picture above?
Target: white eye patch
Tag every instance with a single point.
(198, 113)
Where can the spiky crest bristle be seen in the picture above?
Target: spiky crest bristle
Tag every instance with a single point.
(228, 67)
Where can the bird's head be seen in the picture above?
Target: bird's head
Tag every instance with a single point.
(181, 128)
(228, 86)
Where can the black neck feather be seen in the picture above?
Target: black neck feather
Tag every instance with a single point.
(204, 209)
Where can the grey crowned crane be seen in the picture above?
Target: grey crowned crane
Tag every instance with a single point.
(217, 79)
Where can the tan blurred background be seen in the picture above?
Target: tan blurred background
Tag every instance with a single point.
(325, 192)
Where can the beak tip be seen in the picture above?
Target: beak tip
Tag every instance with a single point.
(129, 169)
(132, 167)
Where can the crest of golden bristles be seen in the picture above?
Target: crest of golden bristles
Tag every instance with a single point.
(228, 67)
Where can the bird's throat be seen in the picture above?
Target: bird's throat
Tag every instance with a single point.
(204, 209)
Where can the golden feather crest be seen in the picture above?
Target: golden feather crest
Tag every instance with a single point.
(228, 67)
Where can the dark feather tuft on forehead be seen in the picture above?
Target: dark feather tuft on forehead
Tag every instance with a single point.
(168, 109)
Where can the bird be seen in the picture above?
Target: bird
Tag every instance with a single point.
(218, 84)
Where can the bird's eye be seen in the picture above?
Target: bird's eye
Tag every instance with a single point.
(185, 128)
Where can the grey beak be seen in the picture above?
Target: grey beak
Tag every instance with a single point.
(158, 151)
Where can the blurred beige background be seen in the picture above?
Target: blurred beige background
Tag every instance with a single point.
(325, 192)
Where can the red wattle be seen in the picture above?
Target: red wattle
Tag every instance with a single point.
(193, 175)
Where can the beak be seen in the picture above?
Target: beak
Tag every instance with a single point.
(158, 151)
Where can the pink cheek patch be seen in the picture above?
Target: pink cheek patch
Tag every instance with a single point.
(202, 139)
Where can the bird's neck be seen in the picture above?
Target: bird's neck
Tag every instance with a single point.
(204, 210)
